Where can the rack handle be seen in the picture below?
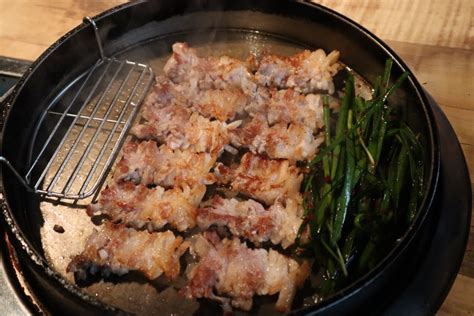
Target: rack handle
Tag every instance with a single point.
(97, 36)
(17, 174)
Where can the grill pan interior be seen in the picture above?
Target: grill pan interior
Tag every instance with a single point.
(148, 40)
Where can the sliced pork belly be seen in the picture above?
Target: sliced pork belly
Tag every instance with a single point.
(145, 163)
(165, 93)
(137, 205)
(262, 178)
(221, 104)
(162, 123)
(280, 141)
(203, 135)
(287, 217)
(117, 249)
(208, 73)
(232, 273)
(289, 106)
(306, 72)
(137, 162)
(196, 133)
(249, 219)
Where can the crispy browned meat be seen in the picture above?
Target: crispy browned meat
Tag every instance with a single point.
(305, 72)
(145, 163)
(262, 178)
(195, 132)
(162, 123)
(228, 268)
(208, 73)
(289, 106)
(163, 94)
(137, 162)
(280, 141)
(249, 219)
(221, 104)
(117, 249)
(138, 205)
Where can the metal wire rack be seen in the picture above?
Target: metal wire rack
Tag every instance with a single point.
(85, 128)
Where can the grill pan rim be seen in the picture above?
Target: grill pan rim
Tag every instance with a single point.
(15, 229)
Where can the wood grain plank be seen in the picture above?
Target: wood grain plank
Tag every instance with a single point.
(23, 50)
(468, 151)
(446, 73)
(460, 301)
(461, 120)
(41, 23)
(435, 22)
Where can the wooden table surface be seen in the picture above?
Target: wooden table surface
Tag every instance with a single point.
(435, 38)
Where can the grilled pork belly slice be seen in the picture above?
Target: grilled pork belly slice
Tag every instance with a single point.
(280, 141)
(289, 106)
(165, 93)
(249, 219)
(207, 73)
(306, 72)
(196, 133)
(161, 123)
(221, 104)
(137, 205)
(146, 163)
(262, 178)
(230, 272)
(203, 135)
(117, 249)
